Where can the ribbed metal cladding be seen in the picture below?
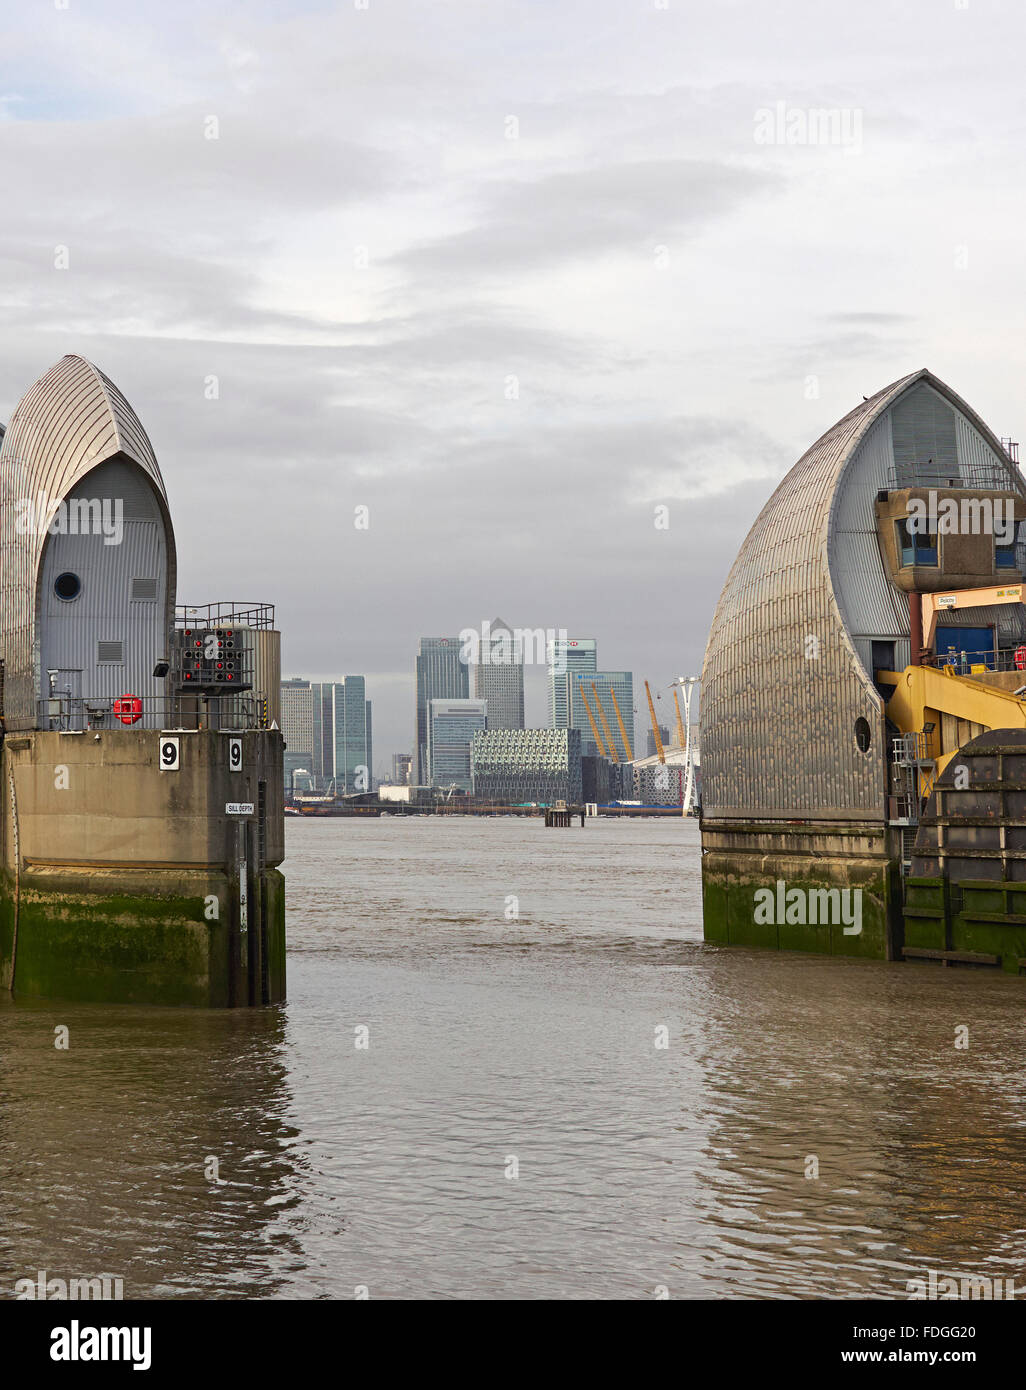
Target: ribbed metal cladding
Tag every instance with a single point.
(783, 681)
(923, 423)
(70, 421)
(111, 636)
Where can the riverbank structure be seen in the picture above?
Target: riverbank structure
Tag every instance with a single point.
(141, 814)
(862, 697)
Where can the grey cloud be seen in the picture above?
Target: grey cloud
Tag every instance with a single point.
(632, 206)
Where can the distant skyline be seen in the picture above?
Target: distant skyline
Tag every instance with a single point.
(537, 694)
(427, 309)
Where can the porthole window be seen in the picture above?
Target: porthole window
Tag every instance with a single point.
(67, 586)
(863, 734)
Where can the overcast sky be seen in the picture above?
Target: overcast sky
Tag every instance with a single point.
(511, 276)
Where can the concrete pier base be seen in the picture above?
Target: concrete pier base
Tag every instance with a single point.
(120, 882)
(743, 862)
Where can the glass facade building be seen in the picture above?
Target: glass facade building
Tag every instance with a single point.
(327, 724)
(622, 685)
(452, 725)
(517, 766)
(441, 675)
(568, 656)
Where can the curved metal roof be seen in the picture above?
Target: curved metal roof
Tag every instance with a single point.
(68, 422)
(776, 720)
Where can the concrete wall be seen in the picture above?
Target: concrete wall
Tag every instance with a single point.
(739, 860)
(121, 881)
(965, 558)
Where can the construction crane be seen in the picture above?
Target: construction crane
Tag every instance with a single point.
(605, 724)
(655, 725)
(681, 736)
(591, 717)
(623, 730)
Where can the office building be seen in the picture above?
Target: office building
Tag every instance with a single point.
(650, 744)
(441, 675)
(577, 656)
(370, 746)
(402, 764)
(520, 766)
(297, 717)
(452, 725)
(604, 712)
(327, 729)
(499, 677)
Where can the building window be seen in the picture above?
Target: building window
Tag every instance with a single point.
(67, 586)
(915, 547)
(1004, 555)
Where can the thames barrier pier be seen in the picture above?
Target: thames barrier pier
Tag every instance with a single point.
(862, 697)
(141, 814)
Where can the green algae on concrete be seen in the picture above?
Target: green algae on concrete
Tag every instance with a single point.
(983, 917)
(742, 906)
(115, 948)
(127, 948)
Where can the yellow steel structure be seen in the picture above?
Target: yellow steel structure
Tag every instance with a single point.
(655, 725)
(623, 730)
(591, 718)
(682, 737)
(935, 604)
(958, 707)
(605, 724)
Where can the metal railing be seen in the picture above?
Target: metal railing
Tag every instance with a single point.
(904, 801)
(225, 614)
(984, 476)
(964, 662)
(908, 750)
(85, 714)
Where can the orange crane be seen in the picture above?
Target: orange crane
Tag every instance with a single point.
(605, 724)
(682, 737)
(655, 725)
(623, 730)
(591, 717)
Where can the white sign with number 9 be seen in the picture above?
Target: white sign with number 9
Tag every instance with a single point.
(170, 755)
(235, 755)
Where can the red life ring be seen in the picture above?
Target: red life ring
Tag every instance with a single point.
(128, 708)
(1020, 658)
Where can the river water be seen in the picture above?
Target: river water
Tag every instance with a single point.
(512, 1128)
